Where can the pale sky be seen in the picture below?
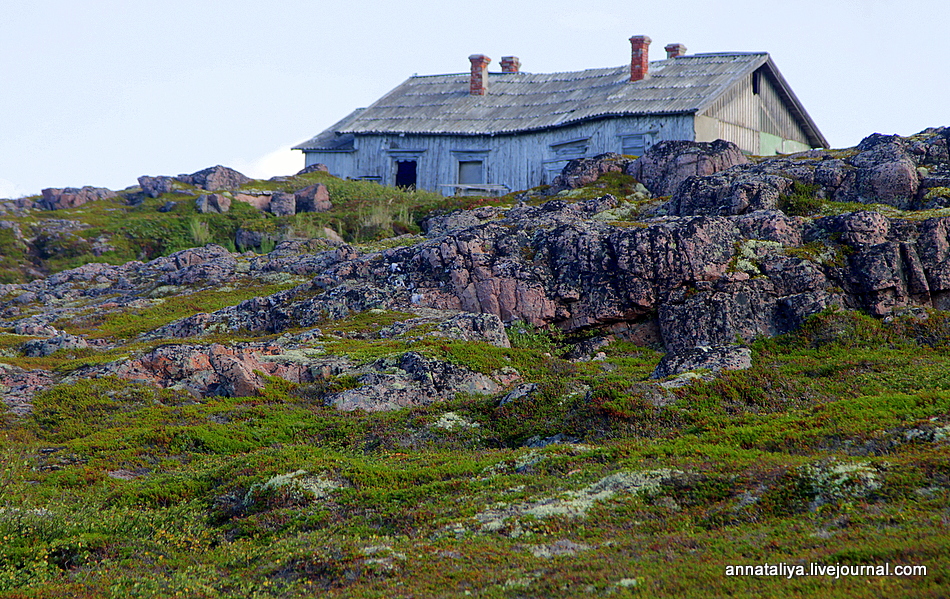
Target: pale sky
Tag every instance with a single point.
(100, 92)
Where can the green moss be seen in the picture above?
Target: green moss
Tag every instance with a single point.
(131, 323)
(801, 201)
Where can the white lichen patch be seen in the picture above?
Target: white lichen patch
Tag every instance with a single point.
(624, 212)
(942, 433)
(557, 548)
(299, 485)
(453, 421)
(628, 583)
(835, 482)
(749, 252)
(575, 504)
(296, 356)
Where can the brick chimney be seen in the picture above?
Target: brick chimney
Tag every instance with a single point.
(478, 84)
(510, 64)
(639, 57)
(674, 50)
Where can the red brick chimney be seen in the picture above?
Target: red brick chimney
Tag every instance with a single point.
(639, 57)
(674, 50)
(510, 64)
(478, 84)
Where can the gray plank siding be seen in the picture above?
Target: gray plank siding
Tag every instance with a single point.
(337, 162)
(775, 117)
(744, 116)
(516, 161)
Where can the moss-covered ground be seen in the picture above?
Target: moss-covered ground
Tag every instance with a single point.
(832, 449)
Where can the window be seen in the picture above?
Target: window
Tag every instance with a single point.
(472, 167)
(635, 144)
(574, 148)
(471, 172)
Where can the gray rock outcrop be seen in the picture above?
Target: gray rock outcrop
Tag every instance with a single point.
(313, 198)
(411, 379)
(156, 186)
(724, 267)
(882, 169)
(214, 203)
(215, 178)
(38, 348)
(283, 204)
(710, 359)
(584, 171)
(314, 168)
(667, 164)
(71, 197)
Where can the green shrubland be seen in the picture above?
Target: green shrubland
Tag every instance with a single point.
(831, 449)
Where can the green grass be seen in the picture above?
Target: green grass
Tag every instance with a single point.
(110, 488)
(131, 323)
(363, 212)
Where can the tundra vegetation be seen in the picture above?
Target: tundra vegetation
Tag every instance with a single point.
(581, 479)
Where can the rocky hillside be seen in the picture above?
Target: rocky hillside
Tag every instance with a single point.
(700, 348)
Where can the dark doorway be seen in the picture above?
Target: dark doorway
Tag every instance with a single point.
(406, 174)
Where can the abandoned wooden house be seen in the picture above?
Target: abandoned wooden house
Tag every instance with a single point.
(494, 132)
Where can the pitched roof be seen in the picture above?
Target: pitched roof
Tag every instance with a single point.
(520, 102)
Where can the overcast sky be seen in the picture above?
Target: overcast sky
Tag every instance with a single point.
(100, 92)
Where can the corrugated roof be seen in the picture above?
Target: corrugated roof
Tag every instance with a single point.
(516, 102)
(331, 140)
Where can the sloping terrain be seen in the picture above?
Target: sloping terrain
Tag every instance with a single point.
(617, 386)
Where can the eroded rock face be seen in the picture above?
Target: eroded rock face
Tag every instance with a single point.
(411, 379)
(584, 171)
(882, 169)
(730, 267)
(210, 265)
(217, 369)
(703, 280)
(667, 164)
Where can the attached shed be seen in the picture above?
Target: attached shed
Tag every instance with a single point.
(493, 132)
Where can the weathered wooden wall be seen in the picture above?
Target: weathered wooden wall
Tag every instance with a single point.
(743, 117)
(338, 163)
(759, 123)
(517, 161)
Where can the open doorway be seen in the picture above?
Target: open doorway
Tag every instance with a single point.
(406, 174)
